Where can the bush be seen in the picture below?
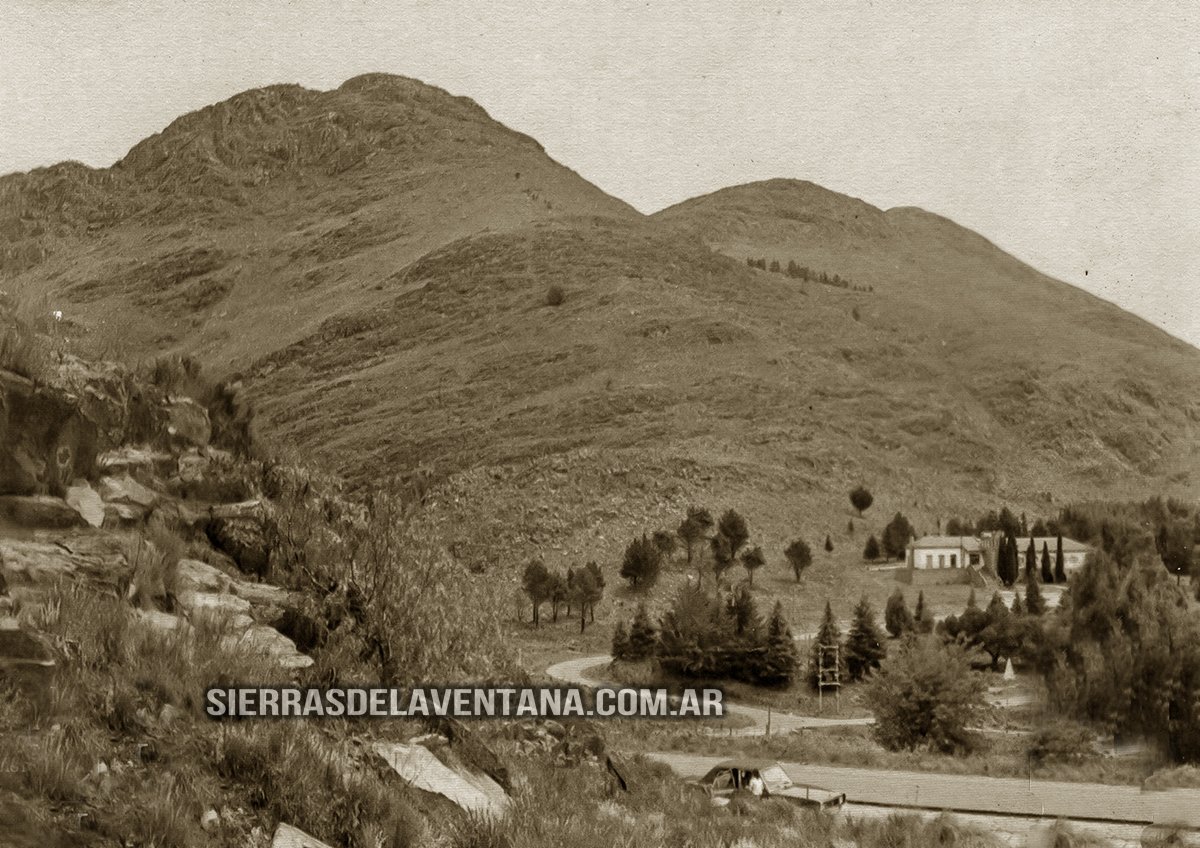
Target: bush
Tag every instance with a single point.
(926, 695)
(555, 295)
(1060, 742)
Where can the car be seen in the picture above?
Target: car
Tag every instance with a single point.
(737, 777)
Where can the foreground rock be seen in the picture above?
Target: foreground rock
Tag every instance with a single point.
(418, 767)
(43, 511)
(287, 836)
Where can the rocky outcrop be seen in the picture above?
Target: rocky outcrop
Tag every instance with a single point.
(46, 438)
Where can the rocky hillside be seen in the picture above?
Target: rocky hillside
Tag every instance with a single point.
(410, 288)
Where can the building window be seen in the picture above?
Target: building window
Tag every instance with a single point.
(941, 560)
(929, 560)
(974, 559)
(954, 560)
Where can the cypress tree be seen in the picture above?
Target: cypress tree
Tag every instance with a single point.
(828, 545)
(1018, 608)
(1030, 558)
(922, 617)
(829, 634)
(871, 549)
(1047, 572)
(896, 615)
(1060, 569)
(864, 644)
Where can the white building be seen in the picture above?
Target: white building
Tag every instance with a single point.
(935, 552)
(945, 552)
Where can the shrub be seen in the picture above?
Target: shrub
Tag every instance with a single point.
(925, 695)
(555, 295)
(1060, 742)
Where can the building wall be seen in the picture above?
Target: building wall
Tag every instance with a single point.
(940, 558)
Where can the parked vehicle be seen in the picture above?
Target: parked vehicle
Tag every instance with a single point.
(765, 779)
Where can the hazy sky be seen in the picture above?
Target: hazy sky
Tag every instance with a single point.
(1068, 133)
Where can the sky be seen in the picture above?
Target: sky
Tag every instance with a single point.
(1068, 133)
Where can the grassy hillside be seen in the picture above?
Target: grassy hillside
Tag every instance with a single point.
(376, 262)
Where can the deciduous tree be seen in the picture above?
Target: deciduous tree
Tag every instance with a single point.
(799, 557)
(861, 499)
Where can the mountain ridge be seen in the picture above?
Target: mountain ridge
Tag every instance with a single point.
(380, 278)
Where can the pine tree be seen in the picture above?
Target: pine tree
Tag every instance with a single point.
(1018, 608)
(620, 642)
(1060, 569)
(744, 612)
(922, 616)
(828, 635)
(1047, 571)
(752, 560)
(781, 657)
(896, 616)
(643, 636)
(864, 644)
(641, 563)
(871, 549)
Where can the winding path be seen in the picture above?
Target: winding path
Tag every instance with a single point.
(576, 672)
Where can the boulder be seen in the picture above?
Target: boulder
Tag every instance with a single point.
(39, 511)
(196, 576)
(419, 768)
(287, 836)
(187, 422)
(122, 515)
(126, 490)
(267, 641)
(215, 604)
(46, 440)
(127, 458)
(82, 498)
(243, 539)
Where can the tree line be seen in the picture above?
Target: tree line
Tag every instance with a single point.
(803, 272)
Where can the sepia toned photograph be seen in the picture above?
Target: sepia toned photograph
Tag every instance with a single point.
(460, 424)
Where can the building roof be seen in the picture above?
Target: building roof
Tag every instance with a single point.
(1069, 545)
(967, 543)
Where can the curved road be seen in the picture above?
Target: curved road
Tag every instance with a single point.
(992, 797)
(575, 672)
